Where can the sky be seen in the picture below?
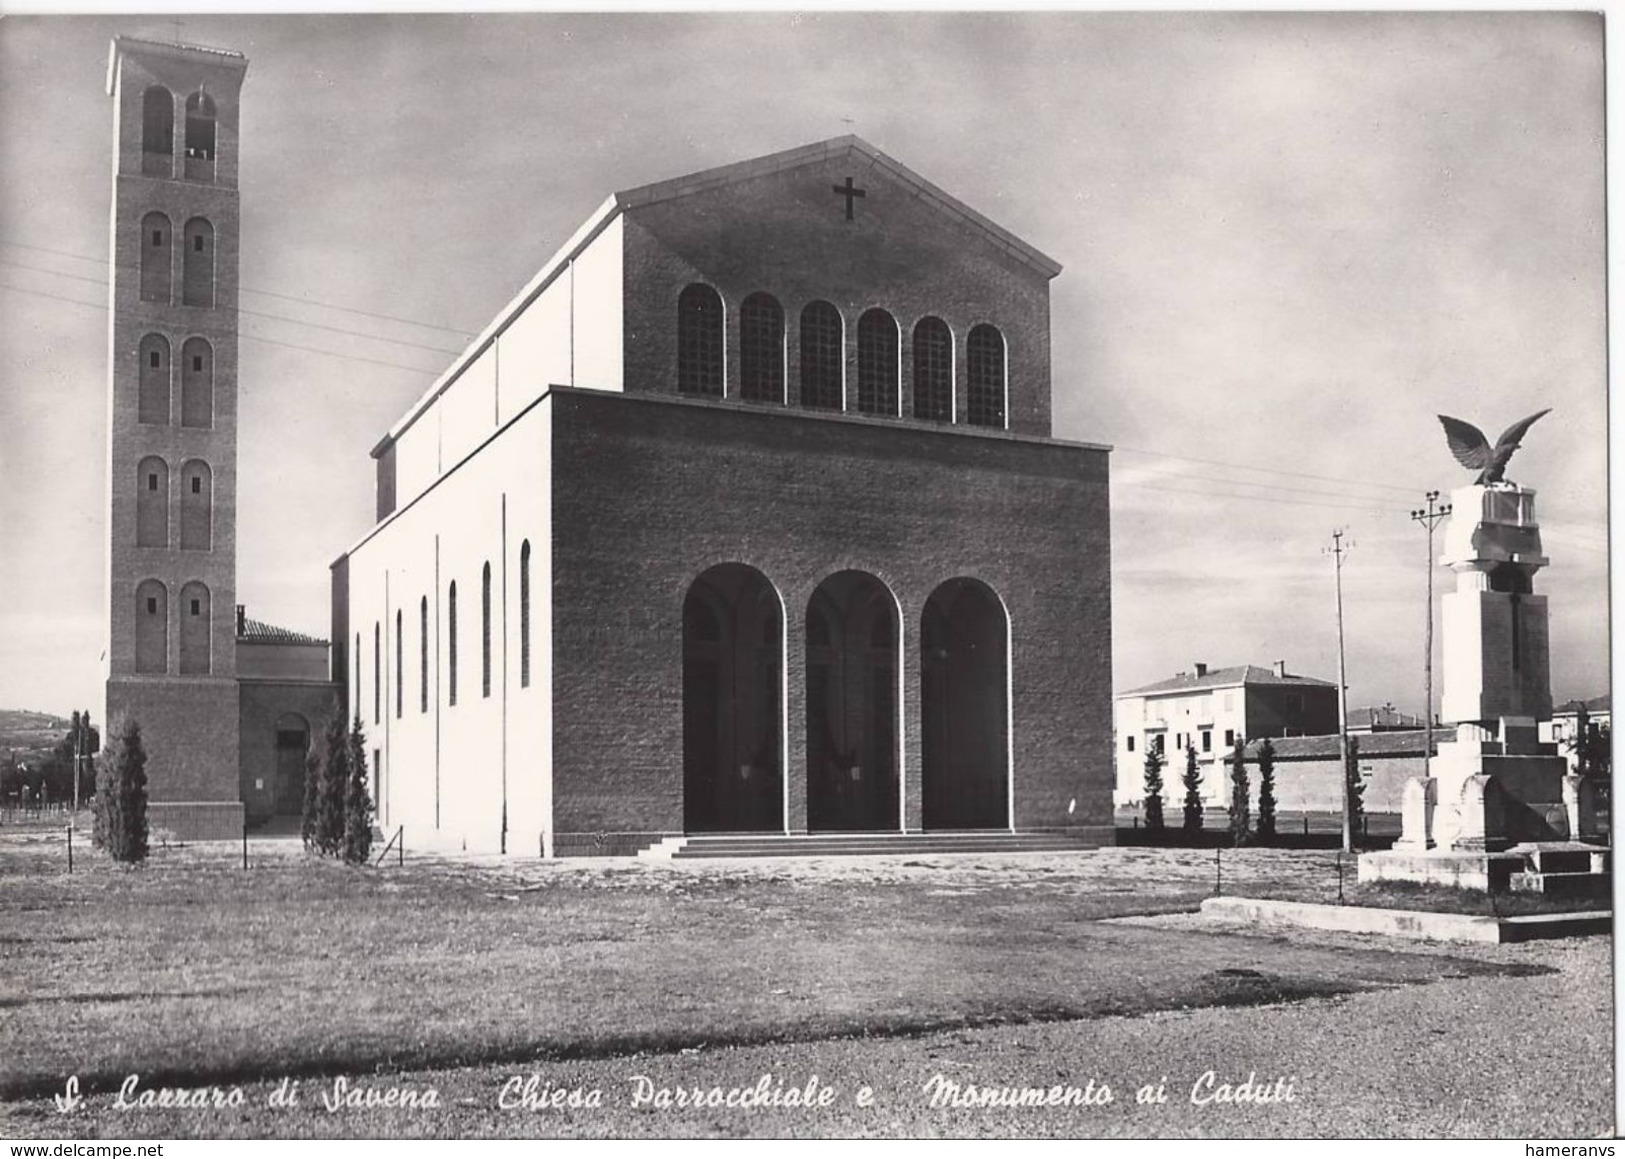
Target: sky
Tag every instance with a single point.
(1289, 240)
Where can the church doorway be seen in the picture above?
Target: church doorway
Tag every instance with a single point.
(965, 731)
(292, 742)
(852, 704)
(733, 634)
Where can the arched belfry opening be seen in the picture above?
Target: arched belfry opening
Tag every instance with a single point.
(157, 131)
(852, 704)
(292, 744)
(733, 677)
(964, 705)
(200, 136)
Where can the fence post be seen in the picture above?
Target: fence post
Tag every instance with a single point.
(1218, 871)
(1340, 877)
(1306, 824)
(400, 847)
(70, 848)
(245, 840)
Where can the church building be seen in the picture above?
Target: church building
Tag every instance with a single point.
(744, 516)
(226, 704)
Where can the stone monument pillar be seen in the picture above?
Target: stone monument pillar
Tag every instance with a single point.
(1495, 784)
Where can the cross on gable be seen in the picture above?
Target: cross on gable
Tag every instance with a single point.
(849, 193)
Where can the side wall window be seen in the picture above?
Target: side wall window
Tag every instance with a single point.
(451, 642)
(524, 614)
(485, 632)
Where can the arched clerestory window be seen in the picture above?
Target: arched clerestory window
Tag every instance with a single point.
(524, 614)
(761, 349)
(197, 263)
(152, 395)
(156, 274)
(197, 383)
(197, 506)
(699, 341)
(933, 371)
(152, 502)
(196, 617)
(877, 363)
(151, 627)
(984, 377)
(822, 355)
(485, 632)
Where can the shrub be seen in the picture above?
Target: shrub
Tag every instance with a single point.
(331, 788)
(121, 794)
(309, 815)
(1356, 789)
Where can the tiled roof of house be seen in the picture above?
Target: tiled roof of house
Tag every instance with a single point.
(1227, 678)
(1385, 718)
(1595, 704)
(259, 632)
(1367, 745)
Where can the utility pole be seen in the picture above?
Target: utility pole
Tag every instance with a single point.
(1430, 517)
(1337, 551)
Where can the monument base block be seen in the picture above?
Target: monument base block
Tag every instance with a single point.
(1490, 872)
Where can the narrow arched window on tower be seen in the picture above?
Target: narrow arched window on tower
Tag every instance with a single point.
(197, 499)
(197, 383)
(821, 357)
(933, 371)
(423, 654)
(156, 276)
(400, 667)
(984, 379)
(200, 136)
(524, 614)
(195, 621)
(152, 397)
(877, 363)
(451, 643)
(152, 502)
(197, 263)
(151, 627)
(761, 349)
(485, 632)
(699, 341)
(158, 132)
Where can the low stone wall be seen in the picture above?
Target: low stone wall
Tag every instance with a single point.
(194, 821)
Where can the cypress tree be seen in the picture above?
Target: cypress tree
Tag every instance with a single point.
(1240, 795)
(1192, 780)
(331, 790)
(121, 794)
(357, 801)
(1153, 788)
(1266, 791)
(1356, 785)
(310, 815)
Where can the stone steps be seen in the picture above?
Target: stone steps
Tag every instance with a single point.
(861, 845)
(1575, 884)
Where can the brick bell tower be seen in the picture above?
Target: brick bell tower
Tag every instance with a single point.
(172, 425)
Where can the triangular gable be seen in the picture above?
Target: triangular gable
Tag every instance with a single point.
(819, 153)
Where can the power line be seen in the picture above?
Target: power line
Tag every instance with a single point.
(1265, 470)
(251, 337)
(253, 313)
(1298, 490)
(1368, 507)
(465, 334)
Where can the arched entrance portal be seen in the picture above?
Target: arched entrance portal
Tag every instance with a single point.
(964, 738)
(733, 637)
(852, 704)
(292, 742)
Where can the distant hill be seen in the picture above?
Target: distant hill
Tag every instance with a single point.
(29, 734)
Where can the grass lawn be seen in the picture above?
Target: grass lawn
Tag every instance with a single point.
(192, 972)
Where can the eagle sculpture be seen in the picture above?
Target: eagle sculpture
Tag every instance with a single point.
(1473, 450)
